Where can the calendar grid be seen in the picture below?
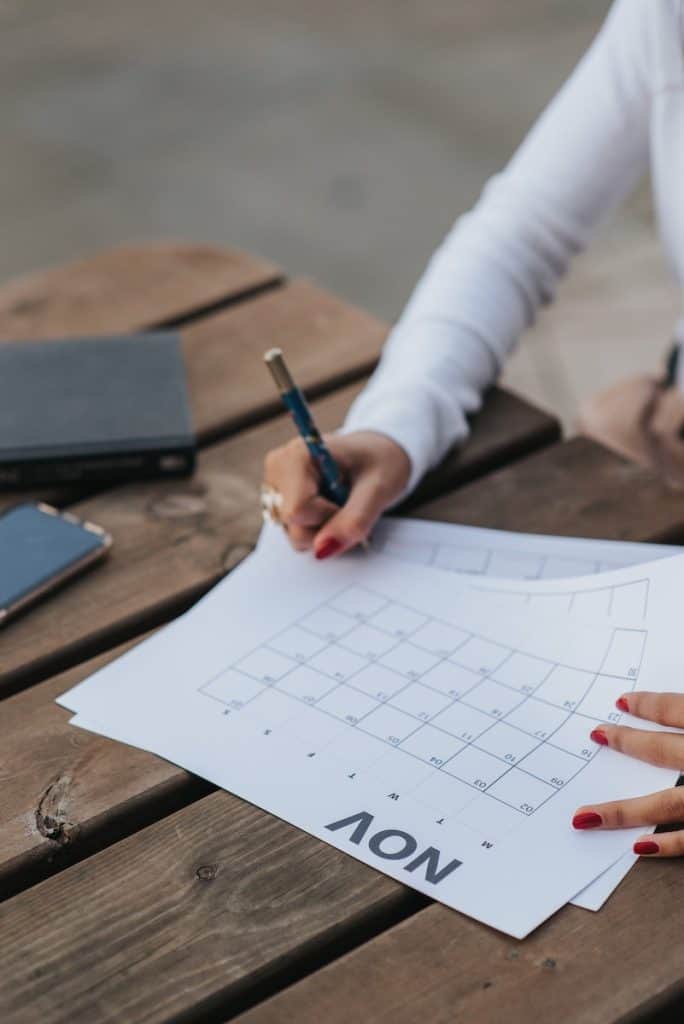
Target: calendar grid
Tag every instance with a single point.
(386, 669)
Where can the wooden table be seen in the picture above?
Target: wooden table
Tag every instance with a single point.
(134, 892)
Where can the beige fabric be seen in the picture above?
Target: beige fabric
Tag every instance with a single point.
(643, 421)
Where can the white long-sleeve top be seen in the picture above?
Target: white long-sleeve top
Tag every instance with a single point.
(621, 109)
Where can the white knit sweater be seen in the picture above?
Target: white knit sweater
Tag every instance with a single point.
(621, 109)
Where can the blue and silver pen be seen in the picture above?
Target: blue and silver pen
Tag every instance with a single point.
(332, 486)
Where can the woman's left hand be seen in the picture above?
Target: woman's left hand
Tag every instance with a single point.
(661, 748)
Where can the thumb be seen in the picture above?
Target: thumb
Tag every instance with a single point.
(352, 524)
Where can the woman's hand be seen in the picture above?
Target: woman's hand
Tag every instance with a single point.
(662, 748)
(377, 470)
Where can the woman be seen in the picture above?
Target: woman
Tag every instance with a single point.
(621, 111)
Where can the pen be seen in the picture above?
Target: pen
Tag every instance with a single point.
(332, 484)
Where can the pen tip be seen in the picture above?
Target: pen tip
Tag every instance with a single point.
(273, 353)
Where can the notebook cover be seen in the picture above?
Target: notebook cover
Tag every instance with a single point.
(100, 407)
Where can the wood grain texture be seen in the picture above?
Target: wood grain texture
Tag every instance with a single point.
(179, 918)
(438, 966)
(149, 944)
(129, 288)
(576, 489)
(328, 343)
(514, 426)
(174, 539)
(63, 786)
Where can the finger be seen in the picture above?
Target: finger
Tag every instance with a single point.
(665, 749)
(291, 472)
(665, 844)
(352, 524)
(313, 513)
(661, 808)
(301, 537)
(664, 708)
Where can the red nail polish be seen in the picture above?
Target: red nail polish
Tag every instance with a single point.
(622, 704)
(328, 548)
(588, 819)
(599, 736)
(646, 847)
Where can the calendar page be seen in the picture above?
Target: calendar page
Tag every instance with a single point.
(424, 725)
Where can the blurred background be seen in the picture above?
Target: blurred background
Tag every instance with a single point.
(340, 140)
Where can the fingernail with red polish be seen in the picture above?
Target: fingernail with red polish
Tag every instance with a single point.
(329, 547)
(588, 819)
(622, 704)
(646, 847)
(599, 736)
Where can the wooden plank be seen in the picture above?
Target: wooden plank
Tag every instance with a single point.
(581, 968)
(513, 425)
(441, 966)
(173, 540)
(276, 895)
(129, 288)
(66, 789)
(180, 918)
(214, 516)
(328, 343)
(576, 489)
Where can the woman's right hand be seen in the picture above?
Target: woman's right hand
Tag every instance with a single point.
(377, 470)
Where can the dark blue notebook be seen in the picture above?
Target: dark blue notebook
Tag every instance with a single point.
(106, 408)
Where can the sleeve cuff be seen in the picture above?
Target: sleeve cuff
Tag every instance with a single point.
(401, 422)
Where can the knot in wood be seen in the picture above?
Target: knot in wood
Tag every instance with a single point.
(549, 963)
(207, 872)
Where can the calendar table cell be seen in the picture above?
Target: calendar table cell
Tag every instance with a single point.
(625, 653)
(398, 621)
(368, 642)
(328, 623)
(504, 741)
(480, 655)
(266, 665)
(379, 682)
(521, 791)
(438, 638)
(389, 724)
(523, 672)
(462, 722)
(233, 688)
(453, 680)
(537, 718)
(552, 765)
(565, 687)
(573, 736)
(346, 704)
(358, 602)
(419, 701)
(493, 698)
(599, 703)
(432, 745)
(297, 643)
(408, 660)
(305, 684)
(475, 767)
(337, 663)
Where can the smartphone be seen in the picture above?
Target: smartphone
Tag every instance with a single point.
(40, 549)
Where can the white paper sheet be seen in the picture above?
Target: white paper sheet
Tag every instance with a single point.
(407, 718)
(506, 555)
(483, 552)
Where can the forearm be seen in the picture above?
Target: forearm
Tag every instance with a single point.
(502, 261)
